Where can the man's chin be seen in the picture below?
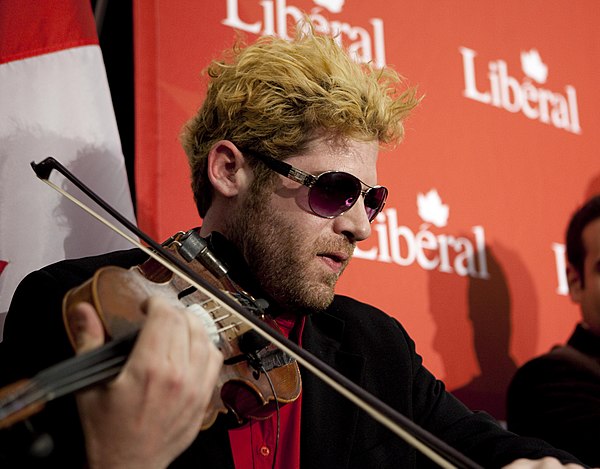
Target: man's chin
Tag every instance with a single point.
(316, 300)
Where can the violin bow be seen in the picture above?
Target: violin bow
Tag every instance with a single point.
(435, 449)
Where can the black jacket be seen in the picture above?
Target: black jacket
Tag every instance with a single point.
(360, 341)
(556, 397)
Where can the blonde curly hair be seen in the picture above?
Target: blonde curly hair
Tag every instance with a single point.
(274, 96)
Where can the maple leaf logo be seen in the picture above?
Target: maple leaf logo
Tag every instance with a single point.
(3, 264)
(431, 208)
(334, 6)
(533, 67)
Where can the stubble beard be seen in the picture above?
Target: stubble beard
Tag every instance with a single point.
(281, 261)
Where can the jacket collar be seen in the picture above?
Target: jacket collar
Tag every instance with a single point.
(585, 341)
(323, 337)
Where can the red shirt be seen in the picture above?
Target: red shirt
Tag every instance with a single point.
(254, 445)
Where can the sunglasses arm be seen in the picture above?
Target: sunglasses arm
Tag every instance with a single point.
(286, 170)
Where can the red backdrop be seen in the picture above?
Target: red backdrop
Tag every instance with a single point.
(468, 253)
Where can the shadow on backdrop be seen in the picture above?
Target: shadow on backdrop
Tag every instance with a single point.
(476, 321)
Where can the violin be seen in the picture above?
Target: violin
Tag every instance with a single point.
(256, 377)
(243, 308)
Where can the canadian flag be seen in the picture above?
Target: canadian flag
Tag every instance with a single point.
(54, 101)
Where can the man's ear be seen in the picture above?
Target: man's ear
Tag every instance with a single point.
(227, 170)
(575, 285)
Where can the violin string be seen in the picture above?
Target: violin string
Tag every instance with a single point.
(84, 382)
(217, 308)
(83, 370)
(71, 375)
(39, 393)
(216, 321)
(84, 378)
(222, 318)
(116, 349)
(231, 326)
(19, 399)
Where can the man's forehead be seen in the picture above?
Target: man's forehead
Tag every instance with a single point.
(359, 161)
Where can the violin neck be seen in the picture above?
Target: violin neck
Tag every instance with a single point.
(26, 397)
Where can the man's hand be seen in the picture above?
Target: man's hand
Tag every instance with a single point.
(153, 410)
(544, 463)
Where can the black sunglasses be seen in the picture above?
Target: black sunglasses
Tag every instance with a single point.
(330, 193)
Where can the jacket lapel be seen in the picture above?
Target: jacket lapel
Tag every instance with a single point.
(328, 419)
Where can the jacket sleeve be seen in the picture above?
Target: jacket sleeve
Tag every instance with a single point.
(395, 373)
(475, 434)
(34, 339)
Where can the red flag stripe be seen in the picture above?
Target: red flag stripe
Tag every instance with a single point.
(31, 27)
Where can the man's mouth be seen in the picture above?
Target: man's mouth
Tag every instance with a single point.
(335, 260)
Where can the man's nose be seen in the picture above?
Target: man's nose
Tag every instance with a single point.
(354, 224)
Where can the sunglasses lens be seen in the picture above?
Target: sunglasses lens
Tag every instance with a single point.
(334, 193)
(375, 200)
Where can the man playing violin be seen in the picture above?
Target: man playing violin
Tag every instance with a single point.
(283, 159)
